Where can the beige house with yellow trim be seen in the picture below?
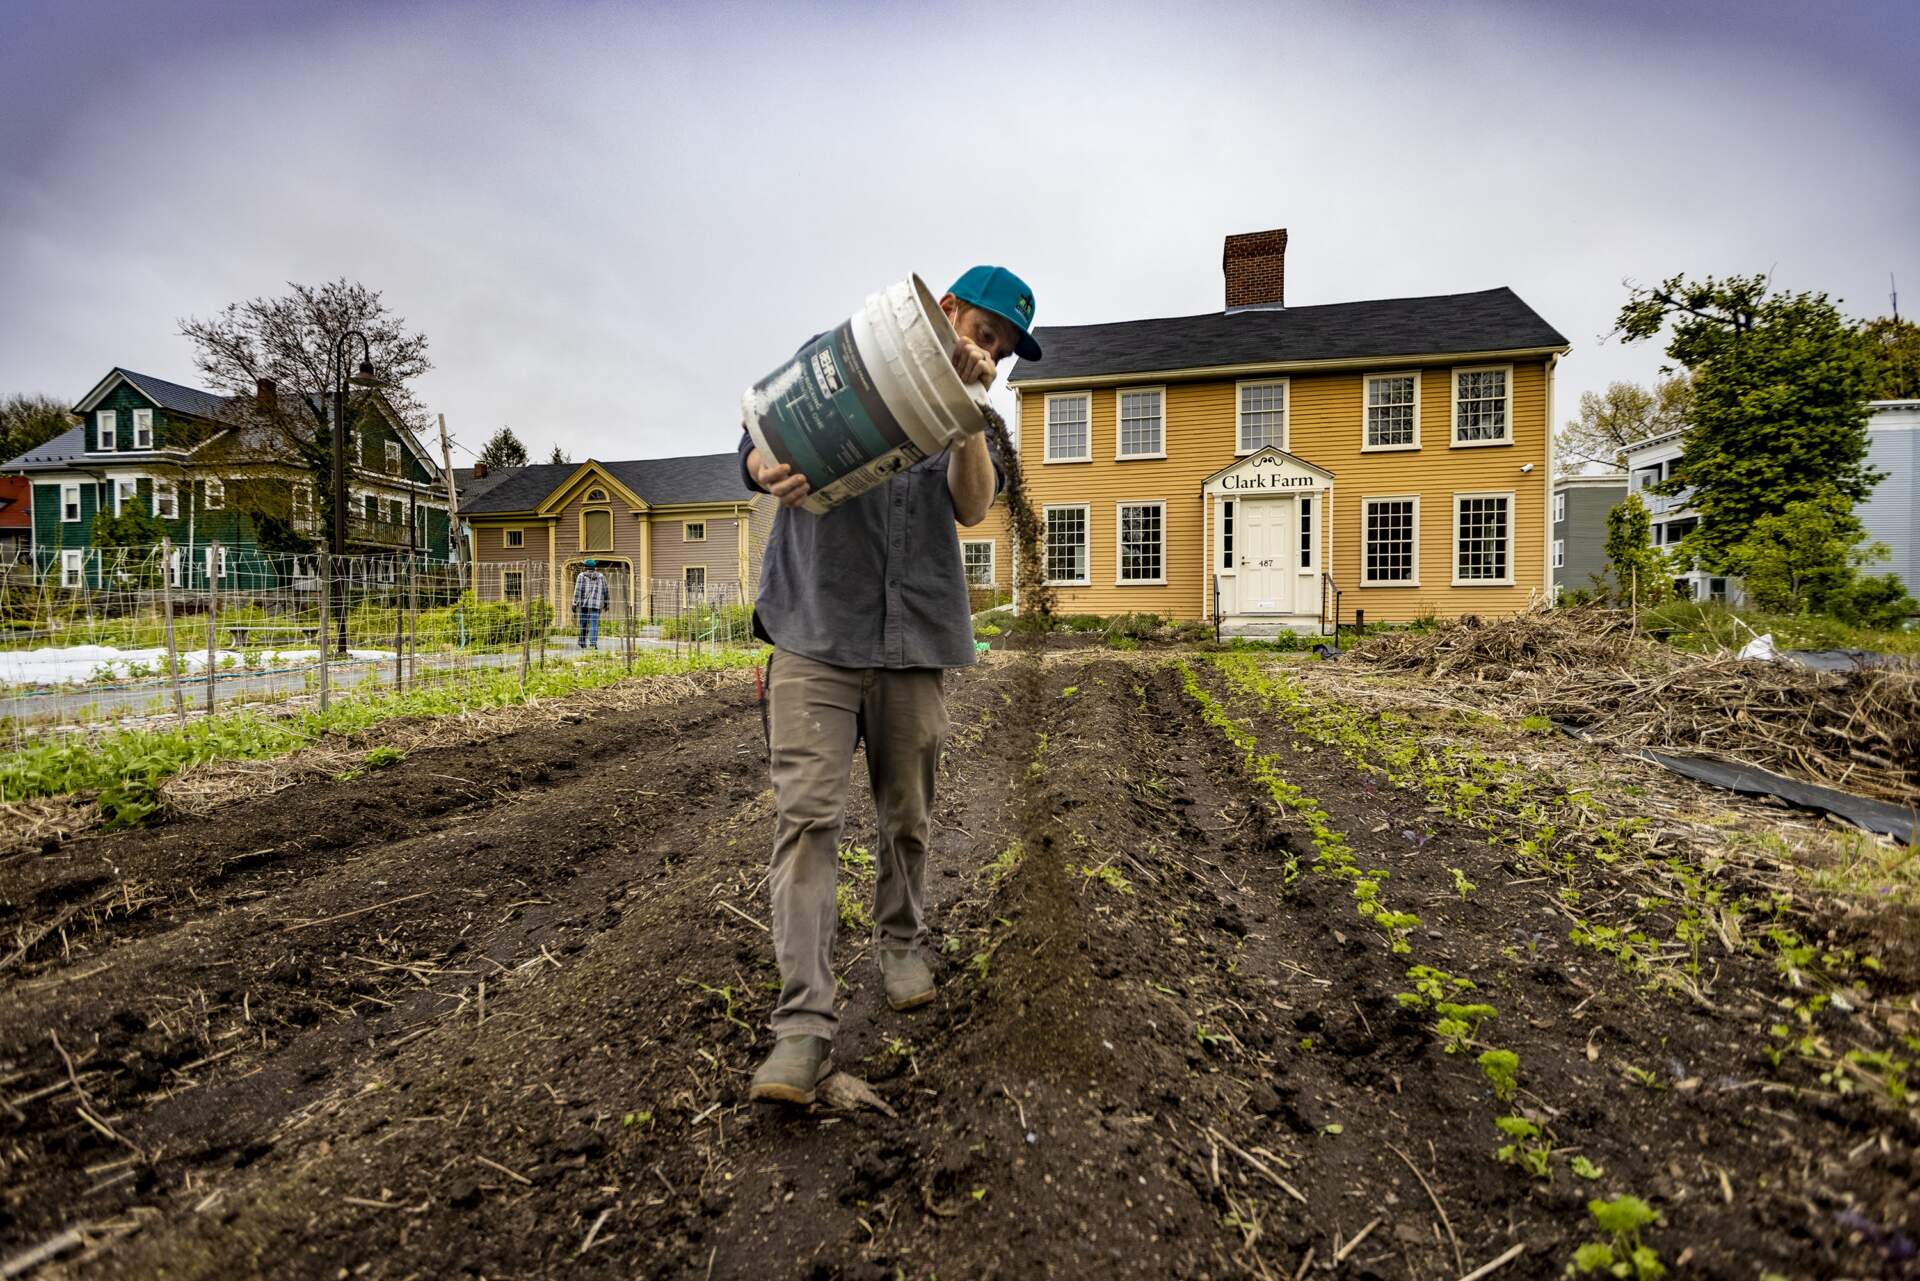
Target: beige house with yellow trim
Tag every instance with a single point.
(665, 530)
(1261, 462)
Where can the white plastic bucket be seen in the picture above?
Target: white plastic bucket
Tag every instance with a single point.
(870, 397)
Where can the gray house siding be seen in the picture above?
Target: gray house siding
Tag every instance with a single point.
(1583, 533)
(1892, 512)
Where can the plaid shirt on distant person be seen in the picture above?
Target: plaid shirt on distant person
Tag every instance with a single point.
(590, 590)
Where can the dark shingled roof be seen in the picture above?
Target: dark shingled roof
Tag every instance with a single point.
(1386, 329)
(69, 446)
(472, 486)
(181, 400)
(703, 478)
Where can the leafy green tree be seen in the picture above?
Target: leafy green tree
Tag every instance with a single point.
(1642, 574)
(503, 449)
(1623, 415)
(135, 534)
(27, 421)
(1780, 384)
(1896, 345)
(1808, 559)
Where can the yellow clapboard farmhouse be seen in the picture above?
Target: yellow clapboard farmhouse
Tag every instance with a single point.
(1263, 462)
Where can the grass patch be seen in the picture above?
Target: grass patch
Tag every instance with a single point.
(126, 767)
(1708, 626)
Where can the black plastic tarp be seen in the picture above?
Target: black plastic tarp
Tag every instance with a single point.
(1884, 817)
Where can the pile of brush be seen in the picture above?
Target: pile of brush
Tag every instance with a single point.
(1589, 666)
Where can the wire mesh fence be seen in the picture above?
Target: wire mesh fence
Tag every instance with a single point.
(99, 637)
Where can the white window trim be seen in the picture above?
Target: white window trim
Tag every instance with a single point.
(71, 487)
(1119, 436)
(170, 490)
(1512, 541)
(993, 564)
(142, 422)
(1560, 509)
(686, 531)
(174, 560)
(1086, 511)
(1118, 581)
(1559, 553)
(1286, 414)
(519, 574)
(1046, 427)
(216, 562)
(392, 456)
(513, 546)
(106, 427)
(1453, 409)
(1311, 564)
(73, 561)
(119, 499)
(1220, 548)
(1367, 502)
(216, 491)
(1365, 393)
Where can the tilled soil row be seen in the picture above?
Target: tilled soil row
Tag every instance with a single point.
(167, 1044)
(1669, 1098)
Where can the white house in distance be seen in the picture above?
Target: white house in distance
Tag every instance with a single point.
(1891, 513)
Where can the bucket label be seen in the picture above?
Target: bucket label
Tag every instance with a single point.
(821, 412)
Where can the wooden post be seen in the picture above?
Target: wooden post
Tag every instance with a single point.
(399, 642)
(545, 582)
(413, 627)
(166, 608)
(326, 622)
(213, 613)
(453, 496)
(526, 623)
(626, 632)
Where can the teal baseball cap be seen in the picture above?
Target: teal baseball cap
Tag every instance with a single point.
(999, 291)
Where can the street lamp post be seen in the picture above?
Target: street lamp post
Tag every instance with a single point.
(362, 377)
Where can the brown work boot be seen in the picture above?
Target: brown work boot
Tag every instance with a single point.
(793, 1071)
(909, 981)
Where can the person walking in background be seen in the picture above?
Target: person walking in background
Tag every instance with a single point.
(866, 608)
(589, 598)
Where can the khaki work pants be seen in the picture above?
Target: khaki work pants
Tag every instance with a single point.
(816, 714)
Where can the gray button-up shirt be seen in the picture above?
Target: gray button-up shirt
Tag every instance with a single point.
(876, 582)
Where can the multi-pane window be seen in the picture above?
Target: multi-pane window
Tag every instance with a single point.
(216, 498)
(393, 457)
(1390, 526)
(70, 502)
(976, 555)
(166, 500)
(696, 581)
(1226, 534)
(1143, 424)
(1306, 533)
(72, 565)
(300, 502)
(1559, 508)
(1479, 406)
(693, 531)
(1143, 543)
(1390, 411)
(106, 430)
(1559, 553)
(1481, 538)
(216, 562)
(513, 538)
(1069, 437)
(1263, 416)
(1066, 544)
(125, 490)
(143, 429)
(512, 583)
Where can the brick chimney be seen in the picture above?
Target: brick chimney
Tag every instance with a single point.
(479, 469)
(1256, 267)
(265, 395)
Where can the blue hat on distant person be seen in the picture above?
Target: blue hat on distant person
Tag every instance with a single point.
(590, 562)
(999, 291)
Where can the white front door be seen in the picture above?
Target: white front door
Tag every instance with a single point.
(1266, 561)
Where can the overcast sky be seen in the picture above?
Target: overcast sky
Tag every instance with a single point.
(609, 219)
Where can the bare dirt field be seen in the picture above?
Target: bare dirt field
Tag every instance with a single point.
(1230, 951)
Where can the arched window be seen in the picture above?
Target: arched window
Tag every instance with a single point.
(596, 495)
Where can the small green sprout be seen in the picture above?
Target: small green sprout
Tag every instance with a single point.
(1622, 1254)
(1586, 1169)
(1529, 1150)
(1461, 885)
(1502, 1070)
(383, 756)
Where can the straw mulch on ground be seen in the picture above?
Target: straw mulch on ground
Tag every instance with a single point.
(1591, 667)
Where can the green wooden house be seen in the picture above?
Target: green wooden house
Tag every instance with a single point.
(233, 497)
